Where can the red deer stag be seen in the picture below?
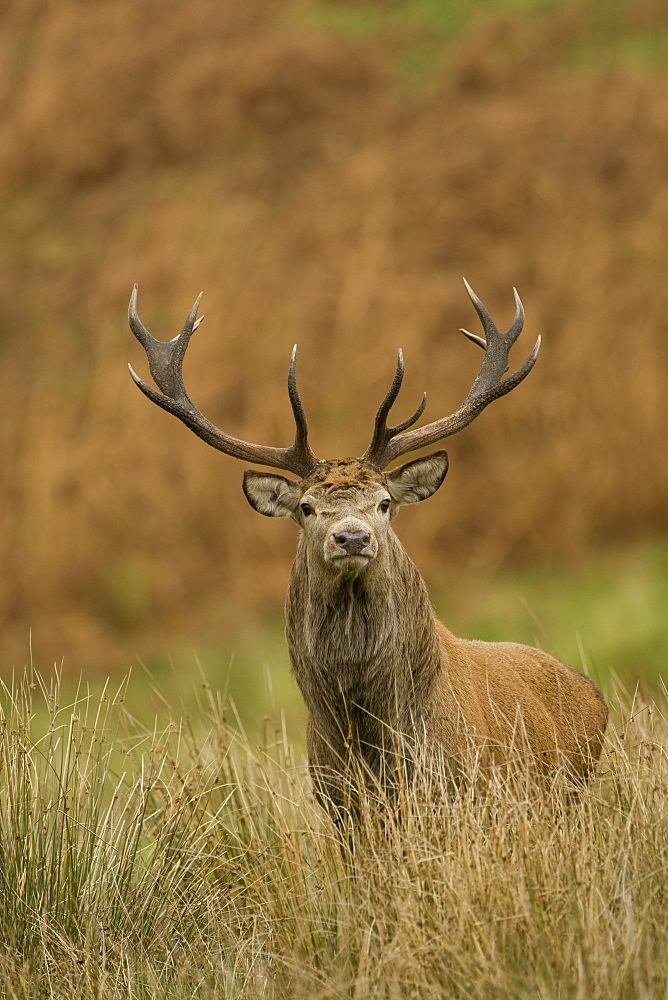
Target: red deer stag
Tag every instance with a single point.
(370, 657)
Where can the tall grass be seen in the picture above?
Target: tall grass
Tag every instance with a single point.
(190, 862)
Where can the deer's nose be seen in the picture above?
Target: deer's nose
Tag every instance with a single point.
(352, 542)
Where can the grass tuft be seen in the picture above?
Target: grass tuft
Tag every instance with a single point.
(191, 862)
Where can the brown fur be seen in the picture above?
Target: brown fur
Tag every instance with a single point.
(372, 661)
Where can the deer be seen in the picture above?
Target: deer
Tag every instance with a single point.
(373, 663)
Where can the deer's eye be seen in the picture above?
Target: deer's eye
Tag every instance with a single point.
(306, 509)
(384, 505)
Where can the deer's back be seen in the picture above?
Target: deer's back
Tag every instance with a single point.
(511, 697)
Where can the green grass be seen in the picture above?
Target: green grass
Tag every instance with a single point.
(418, 32)
(640, 50)
(607, 616)
(444, 18)
(192, 862)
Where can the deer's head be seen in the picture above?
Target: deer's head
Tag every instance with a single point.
(343, 505)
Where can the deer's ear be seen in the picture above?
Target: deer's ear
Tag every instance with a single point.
(273, 496)
(417, 480)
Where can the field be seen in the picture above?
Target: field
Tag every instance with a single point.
(327, 171)
(192, 862)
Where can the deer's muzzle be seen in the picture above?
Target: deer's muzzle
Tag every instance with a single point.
(351, 542)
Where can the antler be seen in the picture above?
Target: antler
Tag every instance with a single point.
(165, 361)
(390, 442)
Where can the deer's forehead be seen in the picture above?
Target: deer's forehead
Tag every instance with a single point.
(345, 497)
(343, 474)
(344, 481)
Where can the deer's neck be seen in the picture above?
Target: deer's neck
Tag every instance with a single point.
(363, 648)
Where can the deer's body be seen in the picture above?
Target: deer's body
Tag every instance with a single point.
(375, 667)
(373, 663)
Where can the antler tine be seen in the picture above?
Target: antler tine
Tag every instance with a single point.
(165, 361)
(380, 425)
(488, 324)
(301, 445)
(474, 338)
(136, 325)
(489, 384)
(409, 421)
(517, 325)
(383, 434)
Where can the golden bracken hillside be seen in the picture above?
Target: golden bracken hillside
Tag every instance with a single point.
(327, 173)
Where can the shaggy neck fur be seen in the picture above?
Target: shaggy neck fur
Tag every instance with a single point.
(364, 650)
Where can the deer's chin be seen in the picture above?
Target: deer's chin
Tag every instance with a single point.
(349, 565)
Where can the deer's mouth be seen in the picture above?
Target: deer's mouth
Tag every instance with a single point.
(353, 558)
(350, 565)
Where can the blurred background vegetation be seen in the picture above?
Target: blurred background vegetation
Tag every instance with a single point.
(327, 171)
